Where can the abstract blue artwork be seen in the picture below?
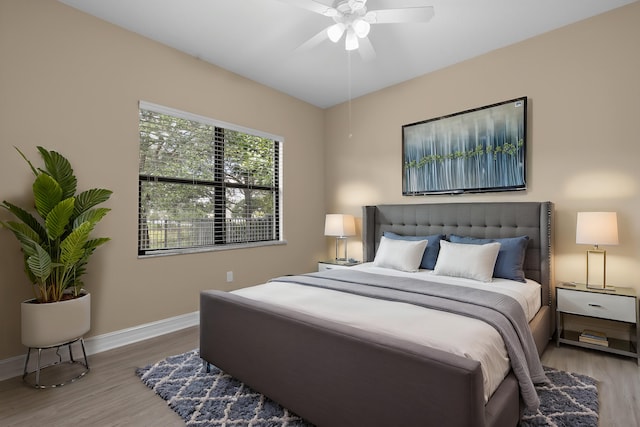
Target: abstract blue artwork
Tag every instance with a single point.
(472, 151)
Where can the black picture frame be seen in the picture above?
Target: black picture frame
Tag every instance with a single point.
(478, 150)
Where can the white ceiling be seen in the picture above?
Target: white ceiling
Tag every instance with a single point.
(257, 39)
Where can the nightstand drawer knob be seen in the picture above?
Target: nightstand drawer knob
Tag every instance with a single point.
(594, 305)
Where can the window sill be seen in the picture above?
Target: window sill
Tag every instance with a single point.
(212, 249)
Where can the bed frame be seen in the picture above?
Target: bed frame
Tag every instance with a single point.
(336, 375)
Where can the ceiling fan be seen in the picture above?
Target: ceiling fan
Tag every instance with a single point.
(352, 18)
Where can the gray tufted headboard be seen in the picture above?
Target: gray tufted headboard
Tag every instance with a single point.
(483, 220)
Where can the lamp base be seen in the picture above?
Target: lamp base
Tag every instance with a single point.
(596, 268)
(344, 243)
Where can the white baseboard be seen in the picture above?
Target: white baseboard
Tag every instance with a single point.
(14, 366)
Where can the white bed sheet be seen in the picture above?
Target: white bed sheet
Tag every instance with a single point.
(460, 335)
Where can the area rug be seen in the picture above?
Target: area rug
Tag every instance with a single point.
(569, 400)
(217, 399)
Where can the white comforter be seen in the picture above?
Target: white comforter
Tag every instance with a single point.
(460, 335)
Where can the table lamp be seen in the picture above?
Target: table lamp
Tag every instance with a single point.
(597, 228)
(341, 226)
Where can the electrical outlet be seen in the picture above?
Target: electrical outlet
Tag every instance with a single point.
(229, 276)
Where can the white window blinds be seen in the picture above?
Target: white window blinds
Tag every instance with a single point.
(204, 183)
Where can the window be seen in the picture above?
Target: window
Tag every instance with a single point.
(205, 184)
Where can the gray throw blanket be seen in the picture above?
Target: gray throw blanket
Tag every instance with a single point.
(500, 311)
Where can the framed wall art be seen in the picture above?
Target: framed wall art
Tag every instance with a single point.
(477, 150)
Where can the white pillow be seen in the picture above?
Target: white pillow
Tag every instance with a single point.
(468, 261)
(404, 255)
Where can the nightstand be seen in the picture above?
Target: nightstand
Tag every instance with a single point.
(618, 305)
(332, 265)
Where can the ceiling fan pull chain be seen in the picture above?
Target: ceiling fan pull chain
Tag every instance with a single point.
(349, 88)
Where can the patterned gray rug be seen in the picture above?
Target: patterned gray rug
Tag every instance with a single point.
(217, 399)
(570, 400)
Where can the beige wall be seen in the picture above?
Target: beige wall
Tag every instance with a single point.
(72, 83)
(583, 84)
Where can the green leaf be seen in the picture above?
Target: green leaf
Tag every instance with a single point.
(90, 198)
(59, 168)
(40, 264)
(27, 270)
(27, 218)
(92, 215)
(72, 247)
(22, 229)
(92, 244)
(47, 193)
(25, 235)
(58, 219)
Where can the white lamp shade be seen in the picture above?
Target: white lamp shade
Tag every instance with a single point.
(597, 228)
(339, 225)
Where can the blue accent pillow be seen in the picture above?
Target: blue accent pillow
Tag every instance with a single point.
(430, 254)
(509, 264)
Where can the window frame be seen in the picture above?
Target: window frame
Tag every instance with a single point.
(220, 190)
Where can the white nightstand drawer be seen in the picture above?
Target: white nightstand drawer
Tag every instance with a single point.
(613, 307)
(322, 266)
(329, 265)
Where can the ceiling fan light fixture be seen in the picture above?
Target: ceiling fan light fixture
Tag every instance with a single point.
(356, 4)
(351, 41)
(370, 17)
(361, 28)
(352, 19)
(330, 12)
(335, 32)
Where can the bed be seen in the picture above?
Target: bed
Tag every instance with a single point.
(337, 373)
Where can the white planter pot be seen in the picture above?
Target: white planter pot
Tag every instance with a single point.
(53, 324)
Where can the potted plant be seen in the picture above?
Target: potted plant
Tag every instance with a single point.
(56, 243)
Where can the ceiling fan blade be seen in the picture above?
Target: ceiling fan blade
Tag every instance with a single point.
(313, 41)
(366, 50)
(396, 16)
(313, 6)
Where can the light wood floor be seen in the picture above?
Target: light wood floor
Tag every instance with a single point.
(109, 395)
(112, 395)
(618, 381)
